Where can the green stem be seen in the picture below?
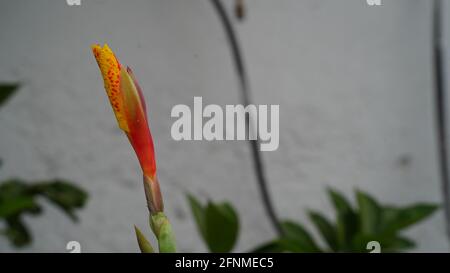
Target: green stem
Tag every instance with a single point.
(163, 231)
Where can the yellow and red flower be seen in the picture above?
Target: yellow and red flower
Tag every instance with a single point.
(129, 108)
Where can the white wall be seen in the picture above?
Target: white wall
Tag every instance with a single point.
(354, 85)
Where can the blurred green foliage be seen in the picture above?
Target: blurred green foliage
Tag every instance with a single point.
(7, 90)
(18, 198)
(218, 224)
(351, 231)
(353, 228)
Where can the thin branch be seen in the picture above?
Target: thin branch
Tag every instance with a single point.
(441, 111)
(244, 87)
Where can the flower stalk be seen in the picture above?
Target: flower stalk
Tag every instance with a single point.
(127, 101)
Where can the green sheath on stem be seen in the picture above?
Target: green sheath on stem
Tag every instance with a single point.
(163, 231)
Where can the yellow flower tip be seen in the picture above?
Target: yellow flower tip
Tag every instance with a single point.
(110, 70)
(95, 47)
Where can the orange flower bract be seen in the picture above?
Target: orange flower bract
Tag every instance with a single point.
(129, 107)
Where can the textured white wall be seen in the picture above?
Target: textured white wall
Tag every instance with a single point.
(354, 85)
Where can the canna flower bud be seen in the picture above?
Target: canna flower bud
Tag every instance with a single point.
(128, 105)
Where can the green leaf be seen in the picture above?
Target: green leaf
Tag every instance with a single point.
(399, 243)
(292, 245)
(16, 232)
(369, 213)
(360, 241)
(269, 247)
(388, 215)
(222, 227)
(199, 215)
(281, 245)
(347, 223)
(326, 229)
(11, 188)
(64, 194)
(339, 201)
(144, 244)
(218, 224)
(396, 219)
(15, 199)
(6, 90)
(388, 243)
(296, 238)
(14, 206)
